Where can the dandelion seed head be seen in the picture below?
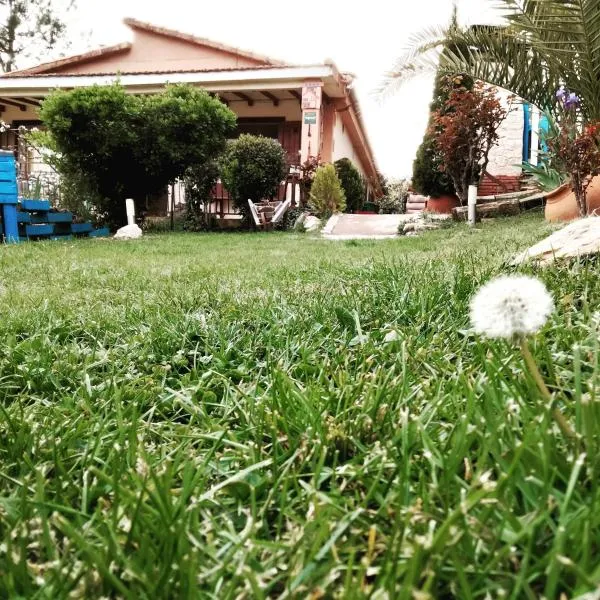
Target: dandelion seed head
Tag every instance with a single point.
(510, 306)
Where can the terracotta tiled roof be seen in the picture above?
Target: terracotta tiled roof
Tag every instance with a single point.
(69, 60)
(135, 24)
(27, 73)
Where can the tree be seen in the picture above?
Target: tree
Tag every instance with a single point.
(252, 168)
(29, 29)
(428, 179)
(352, 184)
(464, 131)
(545, 44)
(130, 146)
(326, 195)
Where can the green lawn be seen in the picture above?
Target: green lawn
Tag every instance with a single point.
(221, 416)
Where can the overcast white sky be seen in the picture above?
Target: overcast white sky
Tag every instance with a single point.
(360, 36)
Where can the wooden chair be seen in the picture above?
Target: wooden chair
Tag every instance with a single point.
(259, 220)
(280, 211)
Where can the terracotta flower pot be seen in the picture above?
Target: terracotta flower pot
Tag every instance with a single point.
(562, 206)
(442, 205)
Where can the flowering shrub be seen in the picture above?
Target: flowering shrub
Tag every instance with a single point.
(465, 131)
(394, 201)
(307, 170)
(574, 148)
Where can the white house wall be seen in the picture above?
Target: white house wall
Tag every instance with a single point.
(343, 146)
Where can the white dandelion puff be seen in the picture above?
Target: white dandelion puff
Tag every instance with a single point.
(511, 306)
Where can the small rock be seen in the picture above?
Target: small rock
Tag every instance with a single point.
(129, 232)
(312, 223)
(579, 238)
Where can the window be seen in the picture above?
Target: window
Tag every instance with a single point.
(266, 127)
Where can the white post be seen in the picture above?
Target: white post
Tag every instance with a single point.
(130, 207)
(472, 204)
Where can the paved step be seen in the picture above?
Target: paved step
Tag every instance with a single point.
(363, 226)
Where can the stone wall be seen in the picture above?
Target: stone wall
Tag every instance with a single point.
(506, 157)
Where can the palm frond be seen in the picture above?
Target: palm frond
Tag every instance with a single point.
(421, 56)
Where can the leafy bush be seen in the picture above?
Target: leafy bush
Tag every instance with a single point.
(352, 184)
(327, 196)
(252, 168)
(199, 183)
(128, 146)
(308, 170)
(394, 202)
(289, 219)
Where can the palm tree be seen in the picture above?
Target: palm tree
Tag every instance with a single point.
(544, 44)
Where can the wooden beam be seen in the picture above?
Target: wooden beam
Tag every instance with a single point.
(244, 97)
(18, 105)
(296, 95)
(2, 108)
(222, 99)
(274, 99)
(31, 101)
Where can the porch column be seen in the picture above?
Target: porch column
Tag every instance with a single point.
(312, 95)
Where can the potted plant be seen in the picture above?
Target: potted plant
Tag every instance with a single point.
(574, 149)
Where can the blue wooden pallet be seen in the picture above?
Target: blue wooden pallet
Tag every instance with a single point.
(35, 205)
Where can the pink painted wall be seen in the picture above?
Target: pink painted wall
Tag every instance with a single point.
(152, 52)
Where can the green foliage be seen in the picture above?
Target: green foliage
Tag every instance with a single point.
(327, 196)
(428, 177)
(29, 29)
(200, 180)
(352, 184)
(545, 44)
(252, 168)
(129, 146)
(235, 416)
(544, 176)
(288, 221)
(394, 202)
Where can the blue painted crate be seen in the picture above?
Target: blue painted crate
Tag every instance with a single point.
(23, 217)
(103, 232)
(35, 205)
(8, 198)
(59, 217)
(39, 230)
(82, 228)
(8, 187)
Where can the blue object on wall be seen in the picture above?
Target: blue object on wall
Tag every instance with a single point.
(526, 132)
(8, 196)
(545, 128)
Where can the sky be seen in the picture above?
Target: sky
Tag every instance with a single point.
(362, 37)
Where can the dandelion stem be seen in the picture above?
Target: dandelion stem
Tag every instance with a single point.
(562, 423)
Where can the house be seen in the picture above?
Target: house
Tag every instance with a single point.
(311, 109)
(519, 142)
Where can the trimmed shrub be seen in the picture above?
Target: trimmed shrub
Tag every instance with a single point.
(130, 146)
(199, 183)
(352, 184)
(252, 168)
(326, 195)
